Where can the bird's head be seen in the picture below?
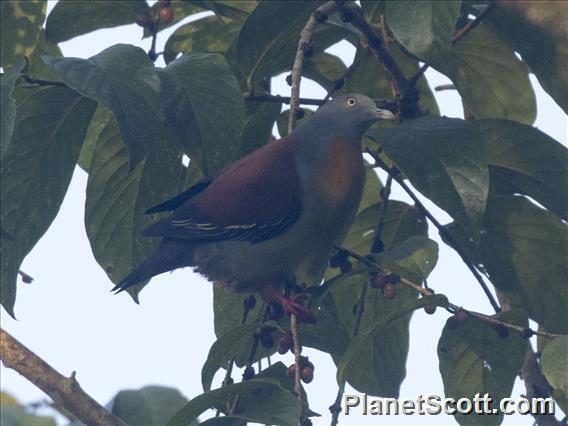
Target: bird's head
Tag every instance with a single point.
(352, 113)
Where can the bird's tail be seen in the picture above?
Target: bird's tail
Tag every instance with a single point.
(170, 254)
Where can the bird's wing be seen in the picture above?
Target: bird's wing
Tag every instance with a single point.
(180, 199)
(253, 199)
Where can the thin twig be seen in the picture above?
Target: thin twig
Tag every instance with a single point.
(357, 19)
(283, 99)
(392, 171)
(61, 389)
(41, 82)
(297, 357)
(378, 246)
(372, 266)
(304, 44)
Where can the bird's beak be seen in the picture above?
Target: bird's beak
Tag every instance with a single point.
(384, 114)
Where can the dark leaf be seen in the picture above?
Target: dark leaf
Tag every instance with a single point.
(205, 108)
(389, 366)
(445, 160)
(21, 23)
(117, 197)
(148, 406)
(492, 81)
(259, 123)
(209, 34)
(99, 121)
(267, 402)
(123, 79)
(425, 28)
(524, 248)
(36, 169)
(474, 359)
(325, 69)
(546, 55)
(71, 18)
(522, 159)
(269, 38)
(36, 67)
(8, 104)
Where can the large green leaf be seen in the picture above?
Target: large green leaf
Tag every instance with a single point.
(148, 406)
(546, 55)
(425, 28)
(259, 123)
(8, 104)
(21, 25)
(445, 160)
(524, 248)
(36, 67)
(117, 197)
(268, 39)
(522, 159)
(325, 69)
(475, 360)
(99, 121)
(267, 401)
(36, 169)
(205, 108)
(554, 364)
(13, 413)
(124, 80)
(492, 81)
(379, 367)
(71, 18)
(388, 370)
(209, 34)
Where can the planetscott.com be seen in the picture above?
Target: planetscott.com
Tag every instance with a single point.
(435, 405)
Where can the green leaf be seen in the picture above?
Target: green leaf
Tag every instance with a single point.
(554, 363)
(389, 367)
(209, 34)
(524, 250)
(545, 55)
(205, 108)
(99, 121)
(325, 69)
(425, 28)
(36, 67)
(266, 402)
(227, 8)
(524, 160)
(236, 343)
(71, 18)
(35, 173)
(445, 160)
(147, 406)
(123, 79)
(282, 121)
(414, 259)
(259, 123)
(8, 104)
(228, 310)
(21, 25)
(492, 81)
(117, 197)
(475, 360)
(372, 190)
(269, 38)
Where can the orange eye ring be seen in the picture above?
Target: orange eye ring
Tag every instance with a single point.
(351, 102)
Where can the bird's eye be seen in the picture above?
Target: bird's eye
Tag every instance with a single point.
(351, 102)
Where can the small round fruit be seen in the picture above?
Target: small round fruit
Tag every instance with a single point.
(377, 281)
(345, 267)
(307, 373)
(291, 372)
(461, 316)
(249, 373)
(430, 309)
(143, 20)
(389, 291)
(266, 340)
(501, 330)
(285, 343)
(166, 15)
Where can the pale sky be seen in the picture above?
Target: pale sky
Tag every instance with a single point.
(69, 317)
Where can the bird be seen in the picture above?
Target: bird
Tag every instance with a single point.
(274, 215)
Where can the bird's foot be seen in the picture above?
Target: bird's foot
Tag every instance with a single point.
(293, 305)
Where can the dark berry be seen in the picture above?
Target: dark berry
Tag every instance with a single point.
(461, 316)
(389, 291)
(166, 15)
(285, 343)
(143, 19)
(291, 372)
(430, 309)
(249, 373)
(307, 373)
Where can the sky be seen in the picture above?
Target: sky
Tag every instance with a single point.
(69, 317)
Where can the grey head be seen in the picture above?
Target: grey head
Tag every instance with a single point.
(349, 115)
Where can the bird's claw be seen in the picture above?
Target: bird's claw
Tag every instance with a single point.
(293, 306)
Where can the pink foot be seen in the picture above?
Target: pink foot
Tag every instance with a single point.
(293, 305)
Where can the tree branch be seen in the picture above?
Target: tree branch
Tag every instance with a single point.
(297, 358)
(283, 99)
(64, 390)
(372, 266)
(319, 15)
